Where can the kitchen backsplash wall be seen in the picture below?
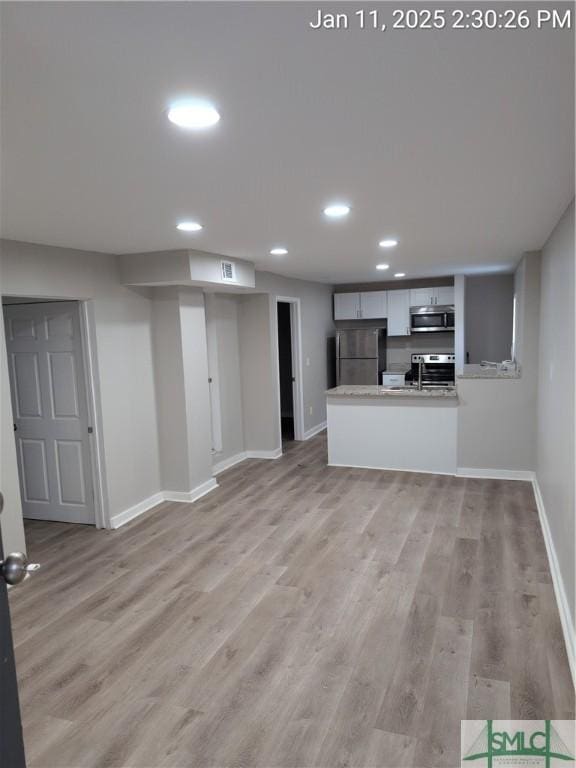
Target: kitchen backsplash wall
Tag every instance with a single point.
(400, 348)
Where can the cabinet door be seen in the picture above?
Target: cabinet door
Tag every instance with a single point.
(445, 295)
(374, 304)
(399, 313)
(422, 297)
(346, 306)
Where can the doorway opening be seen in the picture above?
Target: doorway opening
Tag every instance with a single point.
(53, 409)
(289, 345)
(286, 371)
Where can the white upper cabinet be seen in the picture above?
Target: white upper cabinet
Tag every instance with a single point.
(346, 306)
(371, 305)
(399, 313)
(421, 297)
(374, 305)
(445, 294)
(425, 297)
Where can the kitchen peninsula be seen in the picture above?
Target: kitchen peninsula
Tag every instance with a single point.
(398, 428)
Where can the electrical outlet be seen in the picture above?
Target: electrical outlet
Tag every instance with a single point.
(311, 409)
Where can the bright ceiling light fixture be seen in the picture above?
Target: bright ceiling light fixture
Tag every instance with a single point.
(337, 210)
(278, 251)
(194, 114)
(382, 266)
(189, 226)
(400, 274)
(388, 243)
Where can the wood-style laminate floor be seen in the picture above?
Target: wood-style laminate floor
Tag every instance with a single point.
(297, 616)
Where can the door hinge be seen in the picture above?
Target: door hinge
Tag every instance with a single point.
(90, 430)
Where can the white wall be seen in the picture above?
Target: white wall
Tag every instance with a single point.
(555, 465)
(497, 417)
(122, 318)
(317, 329)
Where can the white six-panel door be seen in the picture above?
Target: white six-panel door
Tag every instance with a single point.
(50, 411)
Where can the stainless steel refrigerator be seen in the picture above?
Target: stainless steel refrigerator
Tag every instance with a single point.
(360, 355)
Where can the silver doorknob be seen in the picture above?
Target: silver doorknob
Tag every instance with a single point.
(14, 568)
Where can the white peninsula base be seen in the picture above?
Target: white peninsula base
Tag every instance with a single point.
(400, 433)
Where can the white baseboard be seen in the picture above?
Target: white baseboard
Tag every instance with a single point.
(275, 454)
(231, 461)
(314, 430)
(194, 494)
(138, 509)
(152, 501)
(496, 474)
(559, 590)
(391, 469)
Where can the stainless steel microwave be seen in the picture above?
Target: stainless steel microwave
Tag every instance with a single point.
(432, 318)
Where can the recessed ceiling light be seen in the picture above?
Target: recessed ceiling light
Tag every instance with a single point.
(189, 226)
(337, 210)
(388, 243)
(382, 266)
(279, 251)
(400, 274)
(194, 114)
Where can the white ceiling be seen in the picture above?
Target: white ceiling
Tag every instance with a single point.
(460, 143)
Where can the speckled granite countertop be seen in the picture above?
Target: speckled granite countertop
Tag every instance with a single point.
(478, 372)
(356, 390)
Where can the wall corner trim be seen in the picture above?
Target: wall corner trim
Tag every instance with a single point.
(566, 617)
(231, 461)
(315, 430)
(275, 454)
(192, 495)
(117, 521)
(496, 474)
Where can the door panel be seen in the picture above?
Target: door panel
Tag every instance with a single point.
(359, 371)
(28, 401)
(50, 411)
(63, 385)
(34, 471)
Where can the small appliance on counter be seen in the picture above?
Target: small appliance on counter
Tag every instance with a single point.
(437, 370)
(390, 379)
(360, 355)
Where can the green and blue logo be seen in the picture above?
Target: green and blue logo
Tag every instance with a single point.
(535, 739)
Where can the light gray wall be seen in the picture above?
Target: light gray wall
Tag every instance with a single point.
(496, 417)
(317, 331)
(123, 338)
(257, 365)
(196, 388)
(488, 317)
(224, 320)
(183, 397)
(555, 465)
(170, 399)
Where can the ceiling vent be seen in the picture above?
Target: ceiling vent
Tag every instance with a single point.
(228, 271)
